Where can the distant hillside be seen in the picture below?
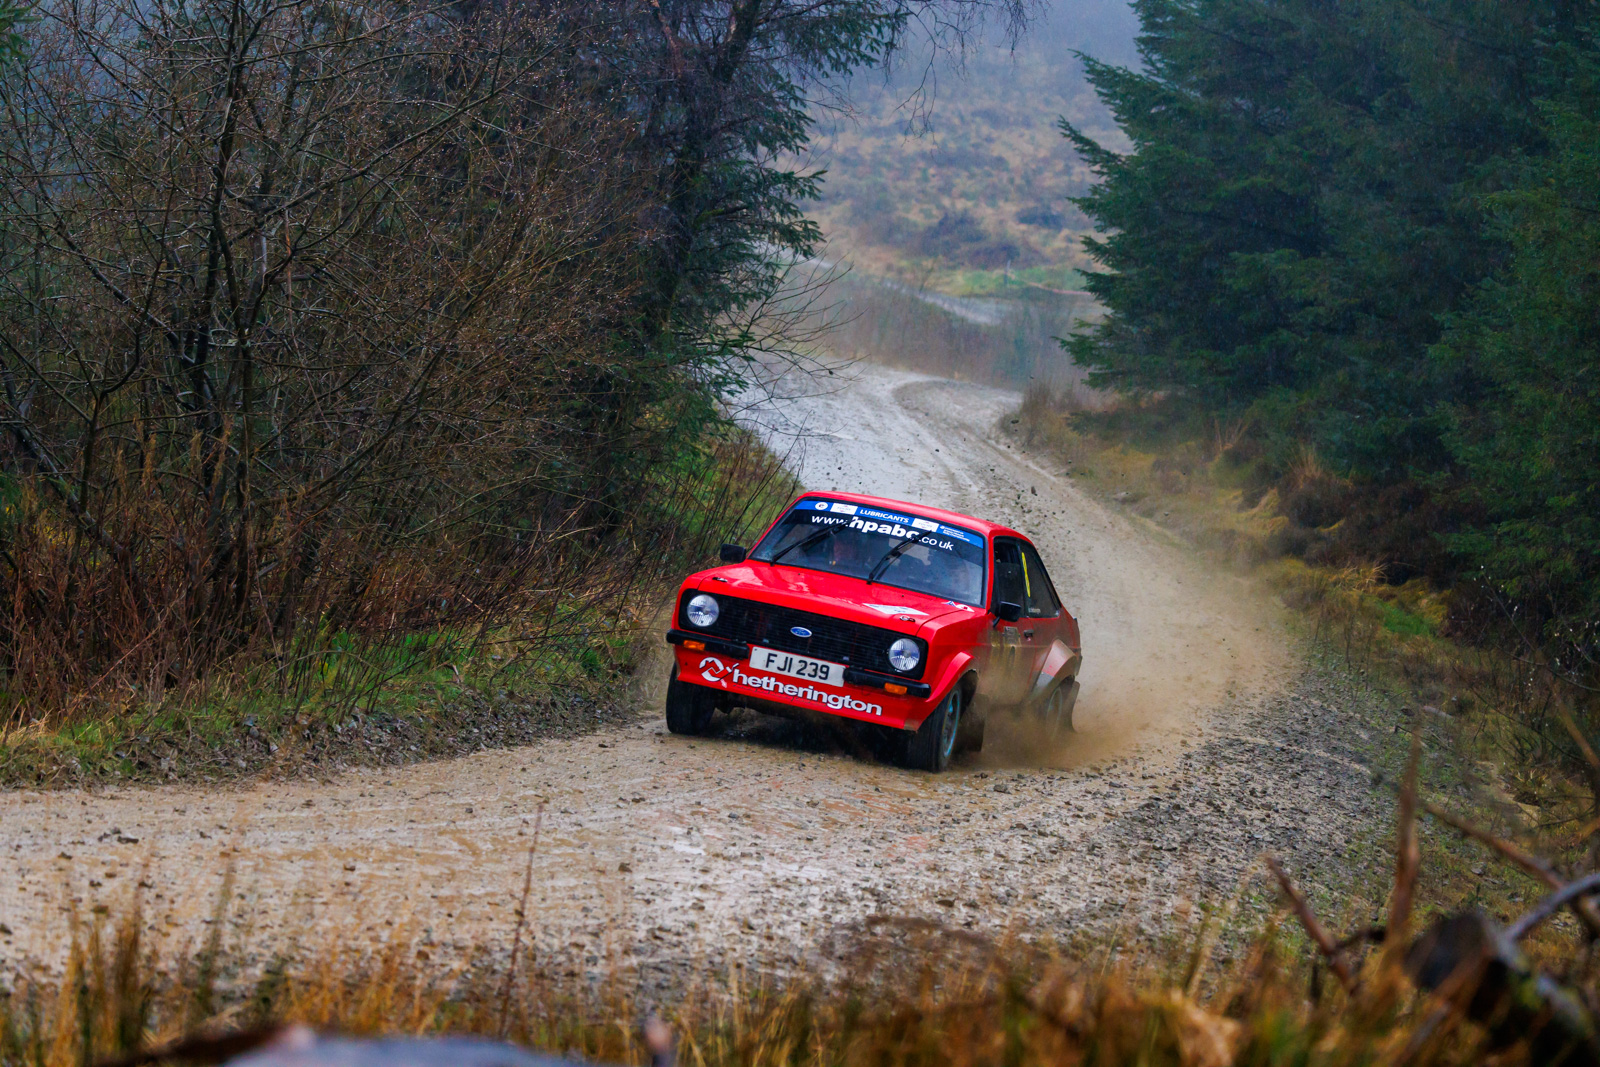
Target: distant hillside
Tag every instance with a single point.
(972, 172)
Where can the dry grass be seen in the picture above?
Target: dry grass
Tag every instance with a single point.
(913, 994)
(989, 152)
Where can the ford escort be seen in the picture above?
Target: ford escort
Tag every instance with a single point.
(920, 621)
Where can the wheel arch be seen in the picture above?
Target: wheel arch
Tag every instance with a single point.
(968, 684)
(1061, 667)
(952, 673)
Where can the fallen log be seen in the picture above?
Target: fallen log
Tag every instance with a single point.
(1476, 966)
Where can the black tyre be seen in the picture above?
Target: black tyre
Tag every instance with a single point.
(931, 747)
(689, 707)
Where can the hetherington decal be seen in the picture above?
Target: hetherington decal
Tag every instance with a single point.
(836, 701)
(714, 670)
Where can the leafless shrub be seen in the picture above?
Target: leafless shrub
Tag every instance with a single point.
(302, 307)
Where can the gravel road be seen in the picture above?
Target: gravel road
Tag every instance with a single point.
(1205, 738)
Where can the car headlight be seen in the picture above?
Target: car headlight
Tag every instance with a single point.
(904, 655)
(703, 610)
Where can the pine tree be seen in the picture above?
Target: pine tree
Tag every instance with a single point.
(1530, 442)
(1300, 209)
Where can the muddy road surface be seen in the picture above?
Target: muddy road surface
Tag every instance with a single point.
(1205, 739)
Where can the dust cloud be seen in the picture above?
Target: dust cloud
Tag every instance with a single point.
(1165, 638)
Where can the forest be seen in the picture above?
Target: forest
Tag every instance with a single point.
(350, 338)
(1360, 244)
(369, 375)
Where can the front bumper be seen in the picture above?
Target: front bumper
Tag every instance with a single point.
(706, 643)
(866, 695)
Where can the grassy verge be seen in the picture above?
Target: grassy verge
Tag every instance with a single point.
(555, 670)
(1505, 715)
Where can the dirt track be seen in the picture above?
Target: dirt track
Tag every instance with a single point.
(1204, 740)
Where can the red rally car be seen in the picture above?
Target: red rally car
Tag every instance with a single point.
(912, 618)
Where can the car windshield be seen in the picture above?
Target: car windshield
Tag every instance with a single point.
(889, 547)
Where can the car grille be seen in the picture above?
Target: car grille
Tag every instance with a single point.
(836, 640)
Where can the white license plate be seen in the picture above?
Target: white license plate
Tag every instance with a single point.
(812, 670)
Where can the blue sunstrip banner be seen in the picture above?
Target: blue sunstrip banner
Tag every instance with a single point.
(862, 511)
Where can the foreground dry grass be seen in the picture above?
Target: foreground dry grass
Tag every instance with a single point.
(912, 994)
(962, 1009)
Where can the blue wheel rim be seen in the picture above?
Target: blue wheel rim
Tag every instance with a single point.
(952, 719)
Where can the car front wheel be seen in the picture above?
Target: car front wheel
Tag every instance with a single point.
(934, 742)
(689, 707)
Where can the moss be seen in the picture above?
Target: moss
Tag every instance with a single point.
(1397, 620)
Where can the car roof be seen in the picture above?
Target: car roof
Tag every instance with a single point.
(954, 518)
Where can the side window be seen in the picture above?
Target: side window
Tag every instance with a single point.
(1041, 602)
(1008, 581)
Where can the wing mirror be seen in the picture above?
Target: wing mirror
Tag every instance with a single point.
(733, 554)
(1008, 612)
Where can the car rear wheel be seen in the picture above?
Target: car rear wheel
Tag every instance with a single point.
(689, 707)
(934, 742)
(1056, 716)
